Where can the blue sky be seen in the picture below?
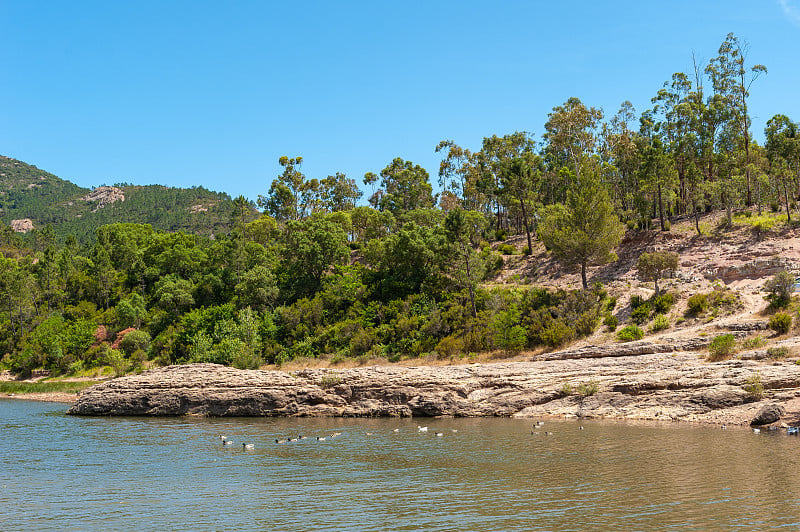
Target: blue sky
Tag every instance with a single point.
(213, 93)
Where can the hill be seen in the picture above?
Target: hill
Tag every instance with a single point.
(31, 198)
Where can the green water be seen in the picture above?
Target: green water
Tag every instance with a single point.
(64, 473)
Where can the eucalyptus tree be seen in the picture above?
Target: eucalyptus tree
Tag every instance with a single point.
(493, 157)
(783, 151)
(732, 80)
(620, 150)
(460, 226)
(572, 133)
(404, 186)
(520, 179)
(283, 200)
(339, 192)
(460, 174)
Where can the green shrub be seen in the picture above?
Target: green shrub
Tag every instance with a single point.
(611, 303)
(698, 303)
(586, 389)
(754, 342)
(566, 389)
(557, 333)
(526, 250)
(637, 301)
(630, 333)
(506, 249)
(135, 341)
(611, 322)
(754, 387)
(500, 234)
(662, 302)
(780, 323)
(641, 314)
(777, 352)
(780, 289)
(660, 323)
(721, 347)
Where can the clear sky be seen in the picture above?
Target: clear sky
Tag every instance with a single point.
(195, 92)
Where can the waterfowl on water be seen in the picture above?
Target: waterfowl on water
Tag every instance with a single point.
(395, 430)
(336, 434)
(439, 433)
(280, 441)
(422, 429)
(227, 442)
(248, 446)
(453, 430)
(756, 430)
(222, 437)
(321, 438)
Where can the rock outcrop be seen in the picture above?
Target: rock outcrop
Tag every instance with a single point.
(660, 386)
(23, 225)
(104, 196)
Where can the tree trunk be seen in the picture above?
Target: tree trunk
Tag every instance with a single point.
(583, 276)
(527, 227)
(661, 209)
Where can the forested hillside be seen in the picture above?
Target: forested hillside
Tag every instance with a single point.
(29, 193)
(412, 273)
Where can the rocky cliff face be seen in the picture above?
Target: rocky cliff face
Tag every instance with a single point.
(659, 386)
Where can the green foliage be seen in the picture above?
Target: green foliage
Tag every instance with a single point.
(754, 387)
(506, 249)
(586, 389)
(641, 313)
(698, 303)
(135, 341)
(721, 347)
(652, 266)
(630, 333)
(780, 289)
(611, 322)
(780, 322)
(754, 342)
(662, 302)
(660, 323)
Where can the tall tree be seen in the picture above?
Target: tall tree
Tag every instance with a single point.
(585, 229)
(732, 80)
(283, 200)
(405, 186)
(571, 133)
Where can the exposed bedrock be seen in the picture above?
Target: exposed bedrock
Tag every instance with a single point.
(660, 386)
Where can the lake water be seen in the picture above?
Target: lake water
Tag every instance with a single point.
(64, 473)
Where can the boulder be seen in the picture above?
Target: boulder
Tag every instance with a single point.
(769, 413)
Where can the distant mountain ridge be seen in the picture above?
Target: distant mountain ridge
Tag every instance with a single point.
(29, 193)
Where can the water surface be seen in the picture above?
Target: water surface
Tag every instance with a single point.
(64, 473)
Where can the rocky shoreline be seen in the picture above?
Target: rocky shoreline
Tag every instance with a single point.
(641, 380)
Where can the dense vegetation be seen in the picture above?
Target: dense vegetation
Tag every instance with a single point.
(321, 275)
(28, 192)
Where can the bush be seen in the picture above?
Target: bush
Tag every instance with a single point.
(566, 389)
(135, 341)
(557, 333)
(698, 303)
(641, 314)
(780, 289)
(754, 342)
(660, 323)
(586, 389)
(777, 352)
(630, 333)
(754, 387)
(611, 322)
(721, 347)
(500, 234)
(662, 303)
(637, 301)
(780, 323)
(506, 249)
(526, 250)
